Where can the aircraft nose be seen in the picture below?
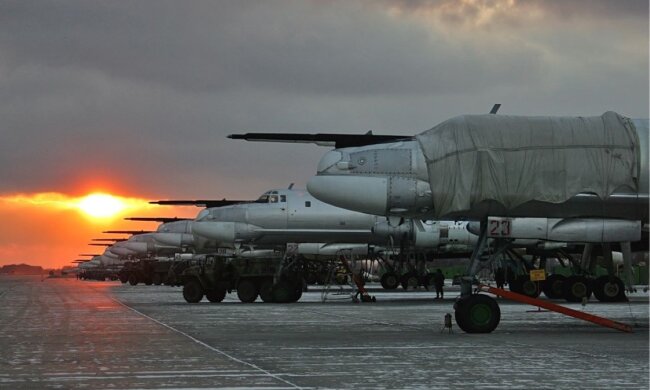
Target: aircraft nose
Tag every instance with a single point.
(358, 193)
(173, 239)
(137, 247)
(121, 250)
(220, 231)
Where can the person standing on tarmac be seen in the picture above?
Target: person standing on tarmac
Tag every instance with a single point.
(438, 283)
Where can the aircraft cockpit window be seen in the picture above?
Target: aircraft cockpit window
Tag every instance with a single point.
(203, 213)
(283, 198)
(263, 199)
(273, 199)
(308, 203)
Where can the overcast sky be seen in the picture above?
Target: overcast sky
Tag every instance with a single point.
(142, 94)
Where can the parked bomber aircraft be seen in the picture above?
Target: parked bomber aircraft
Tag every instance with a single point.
(571, 179)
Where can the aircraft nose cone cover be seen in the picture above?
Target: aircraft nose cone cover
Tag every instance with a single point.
(329, 160)
(363, 194)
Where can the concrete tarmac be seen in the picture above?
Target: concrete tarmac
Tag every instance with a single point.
(64, 333)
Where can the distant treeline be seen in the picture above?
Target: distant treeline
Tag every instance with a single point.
(21, 269)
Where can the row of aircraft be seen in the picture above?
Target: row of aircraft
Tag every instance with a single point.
(492, 186)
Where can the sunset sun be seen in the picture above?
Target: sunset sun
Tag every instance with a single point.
(101, 205)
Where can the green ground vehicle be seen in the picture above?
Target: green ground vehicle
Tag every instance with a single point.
(147, 271)
(215, 276)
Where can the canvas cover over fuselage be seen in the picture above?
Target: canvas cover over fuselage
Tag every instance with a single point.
(515, 159)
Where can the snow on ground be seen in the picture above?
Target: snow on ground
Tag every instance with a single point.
(74, 334)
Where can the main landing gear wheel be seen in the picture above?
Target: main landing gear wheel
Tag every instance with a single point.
(410, 281)
(283, 292)
(156, 279)
(389, 281)
(477, 313)
(609, 288)
(523, 285)
(266, 291)
(192, 291)
(215, 296)
(246, 291)
(552, 286)
(575, 288)
(529, 288)
(124, 279)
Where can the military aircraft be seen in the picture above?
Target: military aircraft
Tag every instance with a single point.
(282, 216)
(570, 179)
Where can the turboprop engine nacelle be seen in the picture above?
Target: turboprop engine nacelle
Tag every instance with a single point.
(315, 249)
(586, 230)
(427, 234)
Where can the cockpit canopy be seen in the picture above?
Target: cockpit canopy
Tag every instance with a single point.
(271, 197)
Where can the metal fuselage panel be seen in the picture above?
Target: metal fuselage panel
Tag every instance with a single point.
(291, 216)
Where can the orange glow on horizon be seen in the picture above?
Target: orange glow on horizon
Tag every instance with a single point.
(97, 205)
(51, 229)
(100, 205)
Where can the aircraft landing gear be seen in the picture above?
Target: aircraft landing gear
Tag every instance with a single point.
(477, 313)
(609, 288)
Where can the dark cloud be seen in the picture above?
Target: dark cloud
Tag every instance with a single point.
(144, 93)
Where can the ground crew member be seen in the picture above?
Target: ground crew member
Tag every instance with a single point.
(500, 277)
(438, 283)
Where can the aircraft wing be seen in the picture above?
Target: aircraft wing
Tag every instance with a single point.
(200, 203)
(156, 219)
(127, 231)
(323, 139)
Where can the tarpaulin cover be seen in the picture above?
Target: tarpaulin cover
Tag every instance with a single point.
(514, 159)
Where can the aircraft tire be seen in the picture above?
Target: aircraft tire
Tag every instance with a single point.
(311, 278)
(148, 282)
(266, 291)
(247, 291)
(124, 279)
(389, 281)
(477, 313)
(282, 292)
(215, 296)
(156, 279)
(609, 288)
(575, 288)
(192, 291)
(133, 280)
(410, 281)
(297, 293)
(528, 287)
(552, 286)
